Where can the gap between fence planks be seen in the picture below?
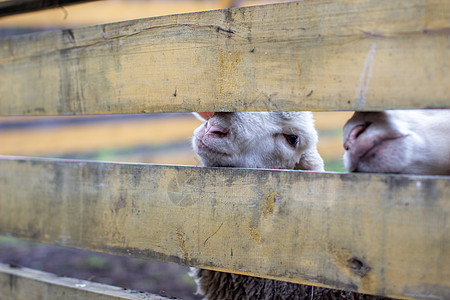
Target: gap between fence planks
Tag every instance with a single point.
(307, 55)
(99, 12)
(13, 7)
(29, 136)
(26, 284)
(378, 234)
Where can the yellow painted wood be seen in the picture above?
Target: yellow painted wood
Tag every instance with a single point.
(307, 55)
(371, 233)
(27, 284)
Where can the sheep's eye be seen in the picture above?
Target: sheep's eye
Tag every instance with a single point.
(291, 139)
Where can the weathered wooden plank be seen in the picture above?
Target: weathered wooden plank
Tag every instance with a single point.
(307, 55)
(28, 284)
(378, 234)
(12, 7)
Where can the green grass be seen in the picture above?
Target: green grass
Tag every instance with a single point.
(11, 240)
(334, 166)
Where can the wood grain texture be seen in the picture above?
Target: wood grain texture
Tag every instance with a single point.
(307, 55)
(27, 284)
(378, 234)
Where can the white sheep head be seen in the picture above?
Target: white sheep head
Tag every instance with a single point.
(398, 141)
(272, 140)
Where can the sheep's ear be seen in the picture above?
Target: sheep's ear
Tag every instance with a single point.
(203, 116)
(310, 160)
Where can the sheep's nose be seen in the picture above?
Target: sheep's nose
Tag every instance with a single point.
(354, 134)
(206, 115)
(212, 129)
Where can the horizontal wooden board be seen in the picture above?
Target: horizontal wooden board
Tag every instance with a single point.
(378, 234)
(306, 55)
(26, 284)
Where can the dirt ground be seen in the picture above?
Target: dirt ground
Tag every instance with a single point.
(142, 275)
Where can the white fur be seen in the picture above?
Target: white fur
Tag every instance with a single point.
(256, 140)
(398, 141)
(253, 140)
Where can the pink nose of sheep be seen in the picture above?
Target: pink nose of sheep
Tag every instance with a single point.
(215, 130)
(353, 135)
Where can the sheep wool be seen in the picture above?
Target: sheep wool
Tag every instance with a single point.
(275, 140)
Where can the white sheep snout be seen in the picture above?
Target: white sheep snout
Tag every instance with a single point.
(398, 141)
(271, 140)
(212, 139)
(207, 135)
(215, 130)
(366, 145)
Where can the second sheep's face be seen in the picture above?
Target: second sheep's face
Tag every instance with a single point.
(271, 140)
(398, 141)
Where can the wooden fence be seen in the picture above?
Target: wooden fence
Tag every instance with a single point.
(370, 233)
